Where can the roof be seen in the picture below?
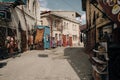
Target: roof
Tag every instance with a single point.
(83, 27)
(46, 13)
(77, 14)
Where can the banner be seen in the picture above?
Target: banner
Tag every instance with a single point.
(112, 9)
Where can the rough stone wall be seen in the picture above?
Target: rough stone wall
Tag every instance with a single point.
(95, 18)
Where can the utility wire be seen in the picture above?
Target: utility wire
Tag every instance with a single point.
(66, 3)
(72, 6)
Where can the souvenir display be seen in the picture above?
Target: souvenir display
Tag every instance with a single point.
(118, 1)
(111, 2)
(116, 9)
(111, 8)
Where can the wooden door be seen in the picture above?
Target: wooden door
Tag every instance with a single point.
(64, 40)
(70, 41)
(23, 41)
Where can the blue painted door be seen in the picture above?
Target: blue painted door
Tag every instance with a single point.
(46, 37)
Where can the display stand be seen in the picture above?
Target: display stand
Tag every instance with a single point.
(100, 62)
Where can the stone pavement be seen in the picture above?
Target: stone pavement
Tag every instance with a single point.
(54, 64)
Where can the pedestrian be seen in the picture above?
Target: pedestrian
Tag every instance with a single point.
(10, 45)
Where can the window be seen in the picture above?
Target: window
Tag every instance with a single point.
(74, 37)
(56, 36)
(72, 14)
(41, 22)
(59, 36)
(73, 26)
(55, 24)
(67, 25)
(94, 19)
(64, 25)
(67, 36)
(33, 6)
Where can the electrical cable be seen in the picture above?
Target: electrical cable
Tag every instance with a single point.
(72, 6)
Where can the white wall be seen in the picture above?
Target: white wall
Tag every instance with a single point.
(71, 29)
(31, 12)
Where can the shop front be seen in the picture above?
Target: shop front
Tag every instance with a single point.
(8, 41)
(106, 51)
(42, 37)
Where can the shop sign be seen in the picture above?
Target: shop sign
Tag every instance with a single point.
(5, 13)
(112, 9)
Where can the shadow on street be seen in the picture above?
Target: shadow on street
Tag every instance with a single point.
(2, 64)
(79, 61)
(42, 55)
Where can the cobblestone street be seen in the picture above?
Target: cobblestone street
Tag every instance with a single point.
(69, 63)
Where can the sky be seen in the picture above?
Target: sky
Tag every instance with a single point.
(69, 5)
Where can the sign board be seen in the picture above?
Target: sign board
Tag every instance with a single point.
(2, 14)
(12, 1)
(112, 9)
(5, 15)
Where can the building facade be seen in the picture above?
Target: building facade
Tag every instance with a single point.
(64, 27)
(22, 19)
(102, 30)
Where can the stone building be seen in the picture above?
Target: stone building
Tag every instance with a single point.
(64, 26)
(103, 37)
(23, 16)
(98, 22)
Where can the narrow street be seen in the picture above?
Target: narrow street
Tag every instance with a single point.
(69, 63)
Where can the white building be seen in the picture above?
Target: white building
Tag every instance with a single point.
(64, 26)
(22, 21)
